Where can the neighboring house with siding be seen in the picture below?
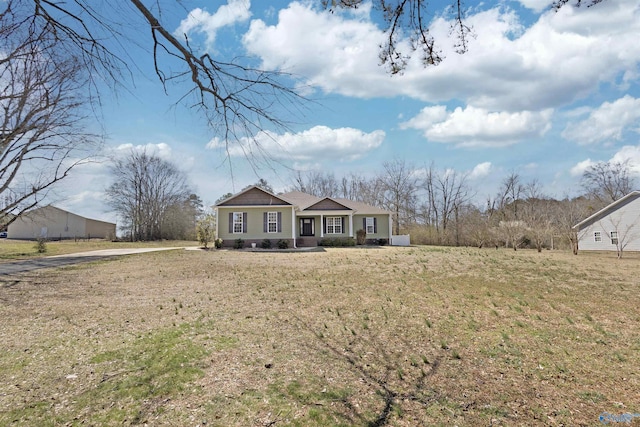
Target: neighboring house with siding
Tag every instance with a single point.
(613, 228)
(52, 223)
(302, 219)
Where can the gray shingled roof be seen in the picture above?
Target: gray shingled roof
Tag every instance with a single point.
(303, 200)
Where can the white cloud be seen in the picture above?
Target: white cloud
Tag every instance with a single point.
(162, 150)
(562, 57)
(317, 143)
(630, 154)
(607, 123)
(480, 170)
(335, 52)
(201, 21)
(477, 127)
(536, 5)
(627, 153)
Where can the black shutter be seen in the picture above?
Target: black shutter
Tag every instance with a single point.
(375, 224)
(324, 224)
(342, 223)
(279, 229)
(265, 227)
(244, 222)
(364, 224)
(230, 222)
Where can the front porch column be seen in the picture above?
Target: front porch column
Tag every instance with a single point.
(293, 225)
(351, 225)
(321, 225)
(215, 213)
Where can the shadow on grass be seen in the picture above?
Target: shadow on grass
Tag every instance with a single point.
(389, 381)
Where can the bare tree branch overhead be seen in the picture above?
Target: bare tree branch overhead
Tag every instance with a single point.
(411, 18)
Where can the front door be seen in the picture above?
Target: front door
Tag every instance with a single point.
(307, 227)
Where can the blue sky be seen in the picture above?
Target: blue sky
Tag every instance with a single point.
(540, 93)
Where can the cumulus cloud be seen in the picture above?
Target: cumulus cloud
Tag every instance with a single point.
(477, 127)
(480, 170)
(607, 123)
(561, 57)
(201, 21)
(338, 55)
(629, 154)
(161, 150)
(317, 143)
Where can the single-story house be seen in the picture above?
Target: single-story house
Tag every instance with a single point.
(299, 218)
(616, 227)
(49, 222)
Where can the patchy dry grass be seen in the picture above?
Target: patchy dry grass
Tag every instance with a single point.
(371, 337)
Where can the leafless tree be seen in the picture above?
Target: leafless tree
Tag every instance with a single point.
(536, 213)
(567, 213)
(42, 119)
(399, 183)
(317, 183)
(145, 190)
(608, 181)
(446, 195)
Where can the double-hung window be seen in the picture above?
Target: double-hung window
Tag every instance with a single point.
(614, 237)
(272, 222)
(237, 222)
(370, 224)
(597, 236)
(334, 225)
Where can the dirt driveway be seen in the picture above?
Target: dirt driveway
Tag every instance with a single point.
(68, 259)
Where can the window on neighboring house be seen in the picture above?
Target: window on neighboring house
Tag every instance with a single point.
(614, 237)
(597, 236)
(238, 222)
(272, 222)
(334, 225)
(370, 225)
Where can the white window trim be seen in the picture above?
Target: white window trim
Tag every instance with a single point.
(597, 236)
(614, 237)
(272, 219)
(236, 216)
(370, 225)
(334, 223)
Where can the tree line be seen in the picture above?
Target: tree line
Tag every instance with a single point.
(438, 206)
(435, 206)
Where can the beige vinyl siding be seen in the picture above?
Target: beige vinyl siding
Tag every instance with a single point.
(382, 226)
(255, 223)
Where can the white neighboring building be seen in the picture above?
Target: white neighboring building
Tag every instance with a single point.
(613, 228)
(49, 222)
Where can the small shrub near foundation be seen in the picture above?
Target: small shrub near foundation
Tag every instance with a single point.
(283, 244)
